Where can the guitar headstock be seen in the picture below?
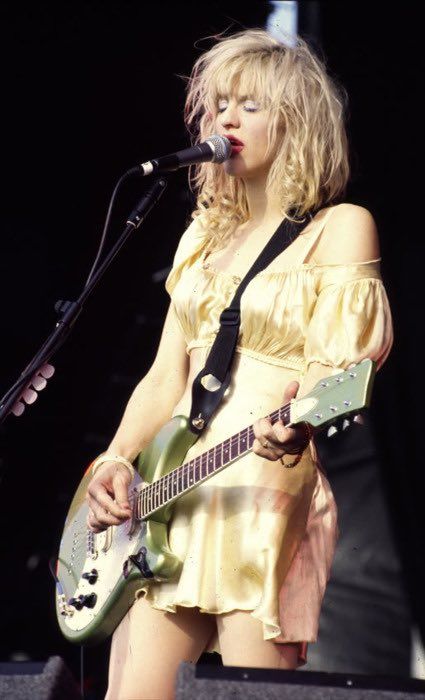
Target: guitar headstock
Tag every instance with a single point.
(336, 398)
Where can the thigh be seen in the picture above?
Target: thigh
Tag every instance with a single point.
(242, 643)
(148, 646)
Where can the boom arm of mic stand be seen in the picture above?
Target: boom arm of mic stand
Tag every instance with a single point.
(70, 310)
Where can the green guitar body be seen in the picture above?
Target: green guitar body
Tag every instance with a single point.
(105, 596)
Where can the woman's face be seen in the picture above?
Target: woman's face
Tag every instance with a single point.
(245, 122)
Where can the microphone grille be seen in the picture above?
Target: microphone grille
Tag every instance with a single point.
(221, 146)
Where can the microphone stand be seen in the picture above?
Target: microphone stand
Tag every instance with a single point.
(36, 373)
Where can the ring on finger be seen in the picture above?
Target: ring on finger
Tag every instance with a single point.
(266, 444)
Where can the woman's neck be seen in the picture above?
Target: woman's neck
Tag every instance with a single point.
(263, 207)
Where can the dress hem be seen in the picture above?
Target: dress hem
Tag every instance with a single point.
(171, 608)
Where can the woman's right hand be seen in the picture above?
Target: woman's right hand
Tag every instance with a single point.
(107, 496)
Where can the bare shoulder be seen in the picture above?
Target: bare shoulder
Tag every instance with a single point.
(349, 235)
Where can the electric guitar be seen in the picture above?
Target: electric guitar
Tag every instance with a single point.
(97, 574)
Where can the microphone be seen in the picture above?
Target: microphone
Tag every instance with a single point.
(215, 149)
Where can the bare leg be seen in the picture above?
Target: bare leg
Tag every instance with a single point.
(148, 646)
(242, 643)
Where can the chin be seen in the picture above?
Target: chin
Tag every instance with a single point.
(236, 167)
(241, 170)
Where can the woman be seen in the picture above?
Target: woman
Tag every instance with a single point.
(256, 540)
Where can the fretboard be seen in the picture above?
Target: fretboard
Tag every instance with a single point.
(184, 478)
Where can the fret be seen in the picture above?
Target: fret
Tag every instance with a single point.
(243, 440)
(284, 414)
(149, 498)
(145, 500)
(191, 472)
(164, 490)
(234, 449)
(149, 490)
(174, 481)
(211, 462)
(226, 451)
(218, 457)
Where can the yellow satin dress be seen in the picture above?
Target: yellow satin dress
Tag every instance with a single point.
(258, 536)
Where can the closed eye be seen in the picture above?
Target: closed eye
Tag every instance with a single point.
(248, 105)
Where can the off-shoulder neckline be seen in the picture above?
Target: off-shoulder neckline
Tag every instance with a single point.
(297, 268)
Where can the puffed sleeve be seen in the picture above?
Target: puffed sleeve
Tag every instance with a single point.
(351, 319)
(189, 248)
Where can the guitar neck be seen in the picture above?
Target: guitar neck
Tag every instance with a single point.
(334, 397)
(171, 486)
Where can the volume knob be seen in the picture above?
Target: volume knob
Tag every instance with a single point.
(83, 601)
(89, 601)
(91, 576)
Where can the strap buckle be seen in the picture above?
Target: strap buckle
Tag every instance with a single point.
(230, 317)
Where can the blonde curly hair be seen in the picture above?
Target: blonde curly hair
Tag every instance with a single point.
(310, 168)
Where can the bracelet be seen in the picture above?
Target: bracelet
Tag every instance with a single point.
(291, 464)
(300, 450)
(112, 458)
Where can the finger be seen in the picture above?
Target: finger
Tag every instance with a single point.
(261, 425)
(272, 453)
(269, 437)
(92, 523)
(98, 494)
(285, 434)
(120, 483)
(291, 390)
(103, 518)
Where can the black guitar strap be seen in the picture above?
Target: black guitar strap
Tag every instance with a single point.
(212, 381)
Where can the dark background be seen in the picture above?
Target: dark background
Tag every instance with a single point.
(88, 90)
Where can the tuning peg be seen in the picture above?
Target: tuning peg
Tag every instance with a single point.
(345, 423)
(358, 418)
(332, 430)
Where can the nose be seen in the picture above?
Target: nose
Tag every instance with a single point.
(230, 117)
